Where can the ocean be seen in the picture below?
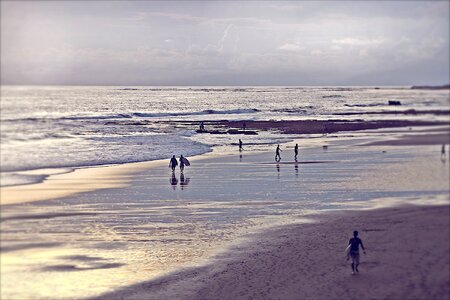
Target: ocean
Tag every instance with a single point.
(54, 129)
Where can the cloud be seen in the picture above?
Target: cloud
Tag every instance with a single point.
(175, 16)
(291, 47)
(350, 41)
(154, 42)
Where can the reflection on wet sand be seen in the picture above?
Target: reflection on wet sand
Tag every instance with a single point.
(184, 181)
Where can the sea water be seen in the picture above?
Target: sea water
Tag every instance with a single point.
(44, 128)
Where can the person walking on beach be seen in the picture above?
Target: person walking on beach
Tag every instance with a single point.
(354, 243)
(277, 153)
(240, 145)
(173, 163)
(181, 163)
(295, 151)
(443, 151)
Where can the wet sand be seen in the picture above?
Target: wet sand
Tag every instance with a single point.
(144, 227)
(407, 258)
(415, 139)
(78, 181)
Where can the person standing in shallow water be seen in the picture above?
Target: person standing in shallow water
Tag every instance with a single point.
(173, 163)
(277, 153)
(354, 243)
(240, 145)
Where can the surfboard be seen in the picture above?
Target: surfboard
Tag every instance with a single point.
(347, 250)
(186, 162)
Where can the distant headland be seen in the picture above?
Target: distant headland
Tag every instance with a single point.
(431, 87)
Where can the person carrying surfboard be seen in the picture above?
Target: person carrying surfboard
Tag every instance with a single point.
(183, 162)
(353, 245)
(173, 163)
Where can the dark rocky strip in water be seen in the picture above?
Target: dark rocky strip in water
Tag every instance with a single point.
(322, 126)
(401, 112)
(431, 87)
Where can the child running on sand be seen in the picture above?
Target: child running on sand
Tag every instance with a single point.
(354, 243)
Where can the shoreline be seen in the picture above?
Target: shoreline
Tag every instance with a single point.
(78, 181)
(307, 261)
(87, 179)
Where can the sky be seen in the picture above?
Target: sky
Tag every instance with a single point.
(213, 43)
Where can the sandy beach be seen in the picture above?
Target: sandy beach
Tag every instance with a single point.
(407, 258)
(234, 225)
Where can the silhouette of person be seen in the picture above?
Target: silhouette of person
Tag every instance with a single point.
(173, 163)
(354, 243)
(173, 181)
(202, 126)
(443, 152)
(181, 163)
(295, 152)
(240, 145)
(277, 153)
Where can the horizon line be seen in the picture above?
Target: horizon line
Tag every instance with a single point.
(197, 85)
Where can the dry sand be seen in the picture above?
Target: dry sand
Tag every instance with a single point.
(407, 258)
